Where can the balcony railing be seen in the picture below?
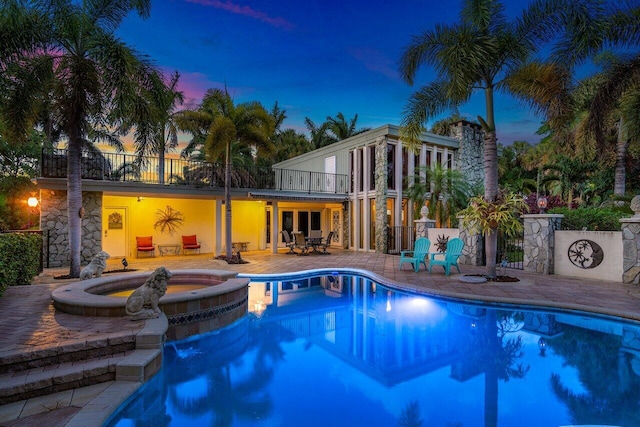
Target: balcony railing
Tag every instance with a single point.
(116, 167)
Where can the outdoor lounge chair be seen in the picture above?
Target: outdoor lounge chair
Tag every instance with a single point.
(418, 255)
(190, 243)
(287, 241)
(145, 244)
(449, 257)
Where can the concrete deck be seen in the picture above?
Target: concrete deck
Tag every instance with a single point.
(29, 323)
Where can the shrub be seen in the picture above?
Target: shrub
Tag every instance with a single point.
(19, 258)
(590, 219)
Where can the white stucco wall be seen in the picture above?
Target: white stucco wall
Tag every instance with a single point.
(609, 269)
(433, 233)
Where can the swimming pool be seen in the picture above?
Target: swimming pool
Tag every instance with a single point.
(343, 350)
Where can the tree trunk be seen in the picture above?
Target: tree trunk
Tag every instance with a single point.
(227, 198)
(161, 159)
(161, 167)
(74, 202)
(490, 195)
(621, 154)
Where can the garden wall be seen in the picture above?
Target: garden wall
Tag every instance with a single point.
(589, 254)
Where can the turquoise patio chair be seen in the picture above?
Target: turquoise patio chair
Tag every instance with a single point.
(449, 256)
(417, 255)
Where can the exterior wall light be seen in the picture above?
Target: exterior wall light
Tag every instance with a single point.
(542, 204)
(32, 202)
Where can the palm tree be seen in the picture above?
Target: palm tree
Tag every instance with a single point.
(569, 175)
(618, 97)
(512, 174)
(67, 52)
(159, 134)
(343, 129)
(290, 143)
(443, 126)
(222, 124)
(319, 135)
(483, 51)
(444, 190)
(615, 98)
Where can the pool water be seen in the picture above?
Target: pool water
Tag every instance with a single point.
(342, 350)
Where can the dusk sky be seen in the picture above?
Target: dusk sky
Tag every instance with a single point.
(314, 57)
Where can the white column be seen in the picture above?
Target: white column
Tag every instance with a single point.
(366, 168)
(398, 169)
(355, 212)
(275, 228)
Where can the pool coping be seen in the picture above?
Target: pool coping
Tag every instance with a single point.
(104, 405)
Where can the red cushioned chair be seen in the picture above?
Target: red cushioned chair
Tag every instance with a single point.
(145, 244)
(190, 243)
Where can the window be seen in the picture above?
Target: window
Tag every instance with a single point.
(360, 171)
(351, 172)
(372, 168)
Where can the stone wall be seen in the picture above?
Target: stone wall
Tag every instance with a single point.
(631, 250)
(53, 222)
(539, 242)
(473, 249)
(381, 195)
(470, 160)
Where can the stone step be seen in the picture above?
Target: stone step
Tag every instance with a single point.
(40, 357)
(126, 356)
(39, 381)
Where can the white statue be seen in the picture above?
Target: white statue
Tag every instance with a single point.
(143, 302)
(95, 267)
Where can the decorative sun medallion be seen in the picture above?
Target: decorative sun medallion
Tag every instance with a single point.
(585, 253)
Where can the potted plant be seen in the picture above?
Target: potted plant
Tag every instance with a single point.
(503, 215)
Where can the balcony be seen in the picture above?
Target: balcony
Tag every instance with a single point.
(116, 167)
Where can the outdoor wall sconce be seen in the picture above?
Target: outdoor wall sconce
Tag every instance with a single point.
(542, 204)
(81, 212)
(32, 202)
(140, 199)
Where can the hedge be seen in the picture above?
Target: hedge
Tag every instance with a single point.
(19, 258)
(590, 219)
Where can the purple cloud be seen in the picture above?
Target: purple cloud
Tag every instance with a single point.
(246, 11)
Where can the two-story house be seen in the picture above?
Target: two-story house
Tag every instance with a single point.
(353, 187)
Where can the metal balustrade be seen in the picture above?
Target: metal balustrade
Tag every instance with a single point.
(118, 167)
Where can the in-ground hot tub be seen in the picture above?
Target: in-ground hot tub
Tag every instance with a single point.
(222, 300)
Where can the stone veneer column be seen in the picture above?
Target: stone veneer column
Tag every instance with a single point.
(381, 195)
(54, 223)
(539, 242)
(631, 245)
(473, 250)
(470, 156)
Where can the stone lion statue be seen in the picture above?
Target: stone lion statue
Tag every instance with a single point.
(95, 267)
(143, 302)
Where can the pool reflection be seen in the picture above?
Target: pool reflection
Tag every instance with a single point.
(343, 350)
